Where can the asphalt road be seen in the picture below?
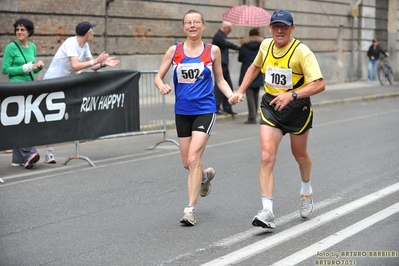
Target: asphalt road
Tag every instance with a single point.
(126, 210)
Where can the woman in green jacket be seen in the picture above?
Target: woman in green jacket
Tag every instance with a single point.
(19, 63)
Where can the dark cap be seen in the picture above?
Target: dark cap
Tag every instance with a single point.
(83, 27)
(282, 16)
(375, 40)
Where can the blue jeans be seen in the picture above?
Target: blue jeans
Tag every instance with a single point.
(372, 69)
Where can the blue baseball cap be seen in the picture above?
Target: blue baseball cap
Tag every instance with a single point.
(282, 16)
(83, 27)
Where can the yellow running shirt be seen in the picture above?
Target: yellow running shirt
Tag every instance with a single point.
(289, 68)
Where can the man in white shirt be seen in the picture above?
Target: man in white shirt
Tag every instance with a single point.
(73, 56)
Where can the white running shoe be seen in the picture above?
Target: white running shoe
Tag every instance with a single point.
(188, 217)
(307, 205)
(264, 219)
(49, 157)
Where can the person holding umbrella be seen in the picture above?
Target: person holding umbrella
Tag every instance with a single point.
(292, 75)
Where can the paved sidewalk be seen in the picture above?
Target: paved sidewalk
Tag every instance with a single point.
(356, 91)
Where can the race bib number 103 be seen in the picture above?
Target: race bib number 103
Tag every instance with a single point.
(279, 78)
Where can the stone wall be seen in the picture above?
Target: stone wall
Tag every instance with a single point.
(139, 32)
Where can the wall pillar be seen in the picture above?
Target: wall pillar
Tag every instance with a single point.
(392, 33)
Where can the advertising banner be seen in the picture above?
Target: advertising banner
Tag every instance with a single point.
(78, 107)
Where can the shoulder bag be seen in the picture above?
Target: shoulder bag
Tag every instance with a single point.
(30, 73)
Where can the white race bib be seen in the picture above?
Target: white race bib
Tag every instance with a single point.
(279, 78)
(189, 72)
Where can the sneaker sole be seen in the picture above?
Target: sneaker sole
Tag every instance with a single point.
(187, 222)
(208, 192)
(32, 161)
(305, 217)
(257, 222)
(209, 184)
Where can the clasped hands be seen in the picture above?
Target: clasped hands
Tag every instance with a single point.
(236, 98)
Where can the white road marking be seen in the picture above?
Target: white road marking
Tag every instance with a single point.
(269, 242)
(280, 221)
(338, 237)
(249, 233)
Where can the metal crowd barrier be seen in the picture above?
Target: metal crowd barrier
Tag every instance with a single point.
(152, 115)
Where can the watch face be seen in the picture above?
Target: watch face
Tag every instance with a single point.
(294, 95)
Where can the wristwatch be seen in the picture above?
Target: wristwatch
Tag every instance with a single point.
(294, 95)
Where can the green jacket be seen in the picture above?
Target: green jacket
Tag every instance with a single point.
(13, 61)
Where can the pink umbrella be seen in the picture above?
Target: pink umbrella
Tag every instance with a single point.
(246, 15)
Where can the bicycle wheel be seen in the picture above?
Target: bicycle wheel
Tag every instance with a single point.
(390, 75)
(381, 76)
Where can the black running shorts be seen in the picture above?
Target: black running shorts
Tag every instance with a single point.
(295, 118)
(185, 124)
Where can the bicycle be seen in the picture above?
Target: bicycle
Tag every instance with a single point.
(385, 71)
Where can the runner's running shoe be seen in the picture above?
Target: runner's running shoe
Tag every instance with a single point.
(307, 205)
(264, 219)
(206, 187)
(188, 217)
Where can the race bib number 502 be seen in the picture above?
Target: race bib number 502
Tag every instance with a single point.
(189, 72)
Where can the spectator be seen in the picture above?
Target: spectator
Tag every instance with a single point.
(248, 51)
(19, 63)
(73, 56)
(220, 39)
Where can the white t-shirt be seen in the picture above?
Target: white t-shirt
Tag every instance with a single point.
(61, 65)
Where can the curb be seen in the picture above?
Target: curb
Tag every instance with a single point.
(358, 99)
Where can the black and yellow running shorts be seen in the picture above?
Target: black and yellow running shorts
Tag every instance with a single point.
(295, 118)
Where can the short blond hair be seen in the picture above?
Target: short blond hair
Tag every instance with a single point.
(193, 11)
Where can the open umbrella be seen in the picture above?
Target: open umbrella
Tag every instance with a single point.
(247, 15)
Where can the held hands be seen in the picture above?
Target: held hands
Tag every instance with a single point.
(236, 98)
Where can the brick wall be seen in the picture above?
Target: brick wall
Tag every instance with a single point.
(139, 32)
